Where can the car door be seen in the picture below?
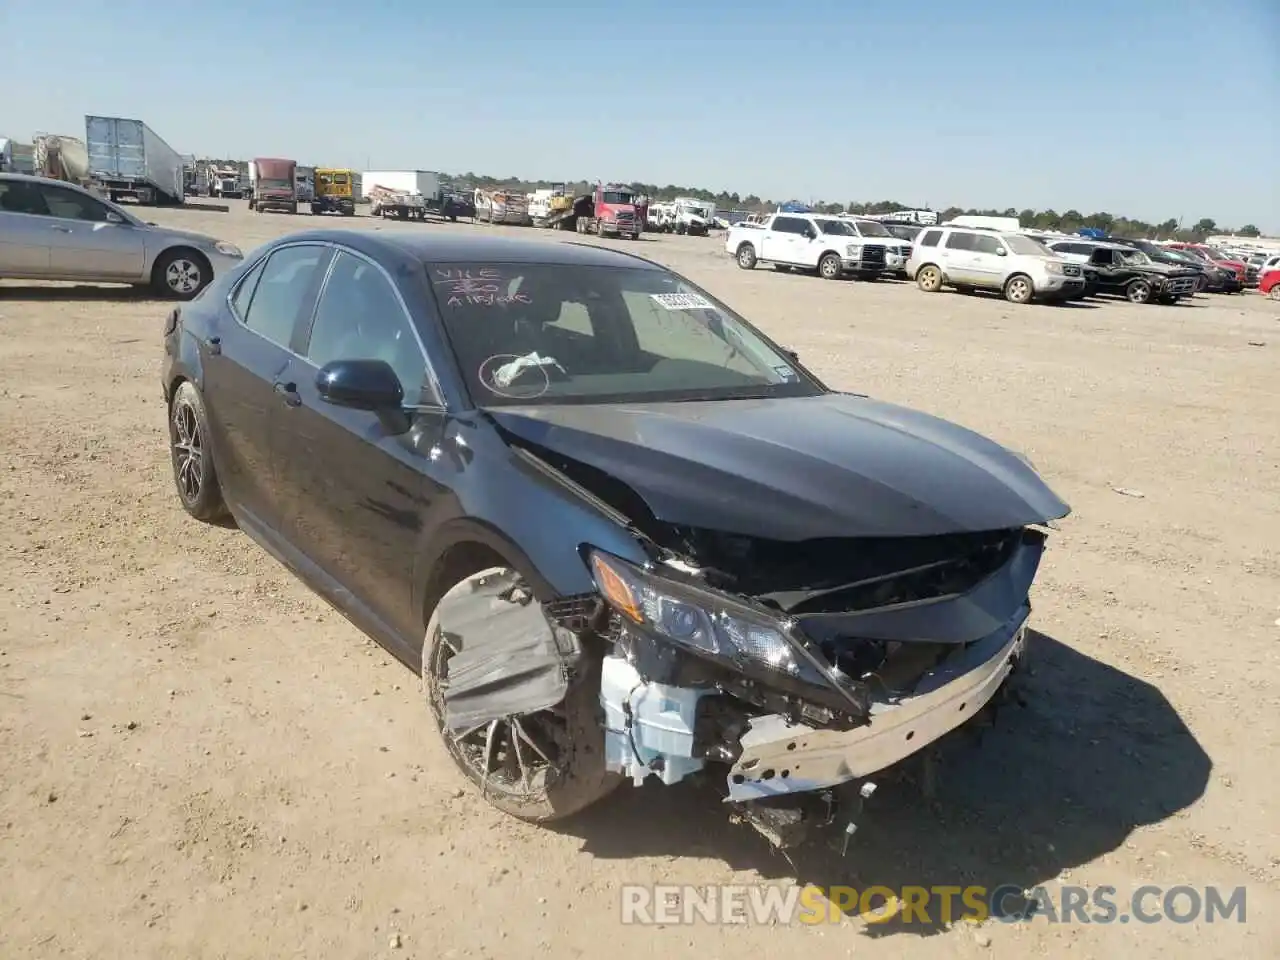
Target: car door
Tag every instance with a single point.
(353, 492)
(24, 230)
(85, 243)
(988, 260)
(252, 351)
(779, 239)
(809, 244)
(957, 251)
(1107, 262)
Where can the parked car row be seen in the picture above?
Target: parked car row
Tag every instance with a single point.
(1022, 266)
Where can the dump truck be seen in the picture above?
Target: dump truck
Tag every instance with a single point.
(131, 161)
(334, 191)
(272, 185)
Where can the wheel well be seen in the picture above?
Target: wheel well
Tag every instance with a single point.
(829, 253)
(174, 384)
(745, 243)
(1024, 276)
(459, 561)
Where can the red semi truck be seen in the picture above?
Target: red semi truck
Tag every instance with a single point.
(609, 212)
(273, 184)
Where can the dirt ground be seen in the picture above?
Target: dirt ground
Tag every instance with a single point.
(198, 758)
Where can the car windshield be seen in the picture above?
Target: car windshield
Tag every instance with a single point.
(1134, 256)
(547, 333)
(274, 183)
(616, 196)
(1214, 254)
(1025, 246)
(872, 228)
(837, 228)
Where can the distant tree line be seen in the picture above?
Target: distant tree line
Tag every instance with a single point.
(1068, 221)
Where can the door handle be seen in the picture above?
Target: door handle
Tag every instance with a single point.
(289, 393)
(54, 226)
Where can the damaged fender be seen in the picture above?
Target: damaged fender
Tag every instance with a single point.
(507, 657)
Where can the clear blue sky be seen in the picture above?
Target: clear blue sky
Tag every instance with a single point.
(1152, 108)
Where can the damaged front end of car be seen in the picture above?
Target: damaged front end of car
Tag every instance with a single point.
(781, 668)
(804, 666)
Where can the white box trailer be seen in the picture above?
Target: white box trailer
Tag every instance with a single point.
(422, 182)
(130, 159)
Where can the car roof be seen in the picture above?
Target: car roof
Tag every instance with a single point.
(28, 178)
(438, 247)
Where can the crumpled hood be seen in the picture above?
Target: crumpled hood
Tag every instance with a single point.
(835, 465)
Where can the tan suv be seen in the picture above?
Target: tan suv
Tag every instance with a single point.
(970, 258)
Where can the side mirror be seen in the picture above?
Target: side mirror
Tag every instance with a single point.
(361, 385)
(113, 217)
(1001, 252)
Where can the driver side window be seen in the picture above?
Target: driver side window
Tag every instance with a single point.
(359, 317)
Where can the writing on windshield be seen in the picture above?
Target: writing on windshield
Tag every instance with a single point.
(561, 333)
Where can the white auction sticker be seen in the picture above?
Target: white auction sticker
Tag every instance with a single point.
(681, 301)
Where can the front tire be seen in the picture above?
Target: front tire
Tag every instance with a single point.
(194, 475)
(180, 274)
(1139, 291)
(558, 753)
(1019, 289)
(929, 278)
(829, 267)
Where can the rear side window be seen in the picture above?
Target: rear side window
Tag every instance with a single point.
(929, 238)
(788, 225)
(960, 241)
(241, 299)
(19, 196)
(282, 288)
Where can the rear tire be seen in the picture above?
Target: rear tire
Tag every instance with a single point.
(194, 476)
(573, 730)
(746, 256)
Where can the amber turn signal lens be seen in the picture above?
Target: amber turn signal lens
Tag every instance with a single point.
(615, 589)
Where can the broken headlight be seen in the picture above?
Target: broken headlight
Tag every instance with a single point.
(698, 619)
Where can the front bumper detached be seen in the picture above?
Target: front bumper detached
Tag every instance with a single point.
(779, 758)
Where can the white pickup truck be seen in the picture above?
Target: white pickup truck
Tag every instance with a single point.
(831, 245)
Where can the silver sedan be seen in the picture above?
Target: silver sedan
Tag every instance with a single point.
(50, 230)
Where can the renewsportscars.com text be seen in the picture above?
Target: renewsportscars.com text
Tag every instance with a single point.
(768, 905)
